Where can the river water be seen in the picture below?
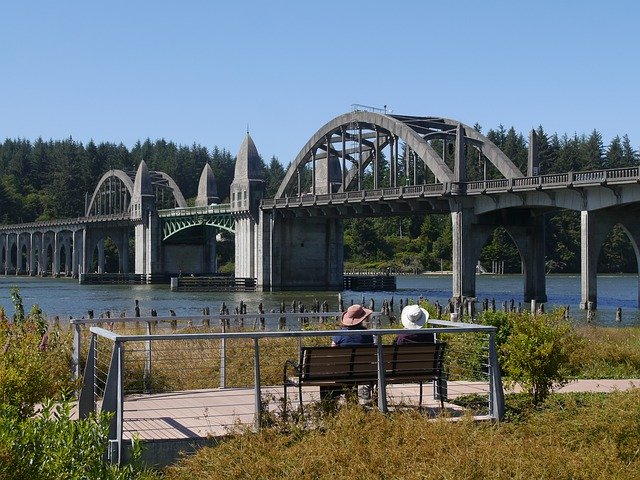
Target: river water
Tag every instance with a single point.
(66, 298)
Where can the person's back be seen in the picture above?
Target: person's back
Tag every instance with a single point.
(353, 319)
(414, 318)
(409, 338)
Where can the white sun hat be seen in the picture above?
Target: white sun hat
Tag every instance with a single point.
(414, 316)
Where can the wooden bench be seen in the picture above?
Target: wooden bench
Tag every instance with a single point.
(353, 365)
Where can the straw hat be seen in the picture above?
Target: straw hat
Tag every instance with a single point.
(414, 316)
(354, 315)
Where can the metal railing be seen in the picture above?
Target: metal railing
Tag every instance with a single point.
(553, 180)
(122, 364)
(220, 323)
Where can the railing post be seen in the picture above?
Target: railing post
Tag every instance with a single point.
(223, 355)
(382, 385)
(258, 392)
(147, 361)
(496, 393)
(77, 345)
(116, 450)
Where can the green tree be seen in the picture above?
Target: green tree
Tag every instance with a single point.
(274, 174)
(613, 157)
(592, 152)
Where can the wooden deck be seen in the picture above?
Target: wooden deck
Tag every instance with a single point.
(215, 412)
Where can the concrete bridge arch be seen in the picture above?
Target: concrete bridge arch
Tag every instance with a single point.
(371, 132)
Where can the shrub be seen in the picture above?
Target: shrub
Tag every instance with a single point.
(34, 362)
(538, 352)
(53, 445)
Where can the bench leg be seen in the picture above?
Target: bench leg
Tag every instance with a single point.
(300, 396)
(440, 390)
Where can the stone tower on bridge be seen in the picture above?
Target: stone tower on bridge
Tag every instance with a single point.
(247, 190)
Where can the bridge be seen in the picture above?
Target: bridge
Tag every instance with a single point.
(351, 167)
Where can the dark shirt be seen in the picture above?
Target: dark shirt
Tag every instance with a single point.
(417, 337)
(348, 340)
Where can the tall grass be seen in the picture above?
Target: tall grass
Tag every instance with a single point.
(584, 437)
(609, 352)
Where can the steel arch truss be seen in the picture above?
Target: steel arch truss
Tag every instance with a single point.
(351, 147)
(173, 225)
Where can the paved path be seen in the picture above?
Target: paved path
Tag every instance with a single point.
(602, 386)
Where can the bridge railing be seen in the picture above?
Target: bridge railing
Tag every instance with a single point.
(191, 361)
(208, 210)
(551, 180)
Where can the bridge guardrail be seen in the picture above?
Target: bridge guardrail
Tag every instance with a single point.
(208, 210)
(551, 180)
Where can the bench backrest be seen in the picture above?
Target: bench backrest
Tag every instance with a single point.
(415, 362)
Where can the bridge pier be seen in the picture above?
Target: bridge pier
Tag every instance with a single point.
(468, 239)
(300, 253)
(471, 232)
(530, 241)
(595, 227)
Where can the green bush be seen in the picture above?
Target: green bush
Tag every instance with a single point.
(35, 360)
(34, 363)
(538, 353)
(52, 445)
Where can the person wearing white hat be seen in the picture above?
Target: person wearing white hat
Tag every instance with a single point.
(414, 317)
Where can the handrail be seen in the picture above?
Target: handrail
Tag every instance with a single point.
(77, 323)
(114, 388)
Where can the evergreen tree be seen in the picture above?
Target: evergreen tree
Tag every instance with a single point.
(629, 155)
(547, 150)
(592, 152)
(613, 157)
(274, 174)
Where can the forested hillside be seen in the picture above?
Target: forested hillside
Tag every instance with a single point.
(42, 180)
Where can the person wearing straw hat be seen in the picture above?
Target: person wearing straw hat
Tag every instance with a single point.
(414, 317)
(353, 319)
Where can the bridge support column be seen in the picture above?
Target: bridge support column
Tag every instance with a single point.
(100, 246)
(76, 267)
(123, 251)
(300, 253)
(592, 235)
(210, 251)
(42, 263)
(55, 261)
(530, 242)
(468, 240)
(7, 255)
(32, 255)
(18, 254)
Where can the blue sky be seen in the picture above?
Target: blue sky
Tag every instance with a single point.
(201, 71)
